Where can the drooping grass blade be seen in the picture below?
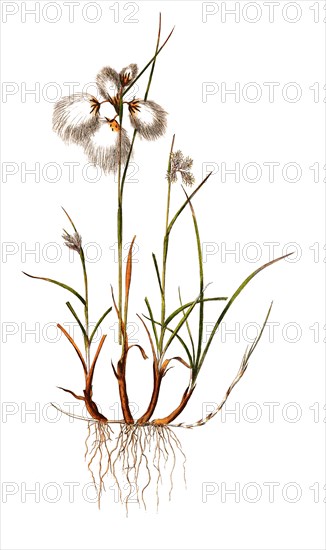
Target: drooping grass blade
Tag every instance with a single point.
(66, 287)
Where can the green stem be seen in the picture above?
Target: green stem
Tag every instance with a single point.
(124, 175)
(120, 225)
(145, 97)
(122, 178)
(86, 339)
(165, 251)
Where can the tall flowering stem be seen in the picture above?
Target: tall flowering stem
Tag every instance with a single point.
(74, 243)
(87, 342)
(120, 372)
(165, 250)
(120, 219)
(122, 175)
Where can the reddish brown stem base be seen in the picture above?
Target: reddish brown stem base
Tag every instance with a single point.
(155, 394)
(121, 376)
(174, 414)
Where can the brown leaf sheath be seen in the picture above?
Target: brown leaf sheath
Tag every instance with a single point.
(92, 407)
(174, 414)
(155, 394)
(88, 391)
(121, 366)
(157, 379)
(121, 372)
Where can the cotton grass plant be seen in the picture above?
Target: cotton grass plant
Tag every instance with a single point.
(139, 452)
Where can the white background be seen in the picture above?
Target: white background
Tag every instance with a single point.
(288, 368)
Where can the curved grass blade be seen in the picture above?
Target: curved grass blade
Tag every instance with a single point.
(66, 287)
(181, 308)
(151, 319)
(72, 393)
(228, 305)
(165, 364)
(98, 324)
(69, 306)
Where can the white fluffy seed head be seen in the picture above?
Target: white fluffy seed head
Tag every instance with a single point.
(75, 118)
(148, 118)
(103, 147)
(108, 82)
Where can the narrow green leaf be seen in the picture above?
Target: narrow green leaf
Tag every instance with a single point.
(154, 62)
(255, 342)
(157, 272)
(69, 218)
(182, 342)
(180, 324)
(188, 329)
(181, 308)
(201, 281)
(66, 287)
(230, 302)
(123, 180)
(69, 306)
(145, 97)
(147, 65)
(151, 318)
(98, 324)
(174, 219)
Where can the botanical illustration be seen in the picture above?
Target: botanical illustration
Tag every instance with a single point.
(141, 452)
